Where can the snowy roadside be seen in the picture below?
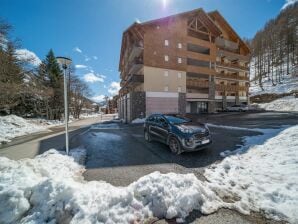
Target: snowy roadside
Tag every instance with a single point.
(12, 126)
(289, 103)
(262, 177)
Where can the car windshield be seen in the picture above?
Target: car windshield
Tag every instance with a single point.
(176, 120)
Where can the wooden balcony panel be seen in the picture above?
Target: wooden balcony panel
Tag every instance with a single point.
(233, 66)
(231, 76)
(199, 56)
(226, 44)
(231, 88)
(201, 70)
(232, 56)
(192, 83)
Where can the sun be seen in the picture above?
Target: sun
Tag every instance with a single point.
(164, 3)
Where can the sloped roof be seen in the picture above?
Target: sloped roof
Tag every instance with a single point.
(202, 15)
(217, 16)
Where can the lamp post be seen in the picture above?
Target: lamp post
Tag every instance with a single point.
(65, 62)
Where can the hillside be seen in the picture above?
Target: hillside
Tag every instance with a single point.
(274, 64)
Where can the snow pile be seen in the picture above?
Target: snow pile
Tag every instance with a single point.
(12, 126)
(50, 188)
(79, 155)
(289, 103)
(263, 178)
(138, 121)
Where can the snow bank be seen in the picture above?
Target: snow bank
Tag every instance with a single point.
(263, 178)
(12, 126)
(289, 103)
(50, 188)
(138, 121)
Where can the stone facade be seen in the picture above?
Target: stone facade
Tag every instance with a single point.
(138, 105)
(211, 103)
(182, 103)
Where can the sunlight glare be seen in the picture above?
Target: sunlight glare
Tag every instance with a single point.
(164, 2)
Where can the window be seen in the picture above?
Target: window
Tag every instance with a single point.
(166, 73)
(179, 89)
(179, 45)
(179, 75)
(166, 42)
(179, 60)
(166, 88)
(166, 58)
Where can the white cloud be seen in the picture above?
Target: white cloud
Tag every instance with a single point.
(95, 57)
(114, 88)
(98, 98)
(77, 49)
(137, 20)
(91, 77)
(26, 55)
(81, 66)
(87, 58)
(288, 2)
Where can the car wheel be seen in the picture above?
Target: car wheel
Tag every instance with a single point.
(175, 145)
(147, 136)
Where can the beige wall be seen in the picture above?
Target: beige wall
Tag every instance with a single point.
(156, 81)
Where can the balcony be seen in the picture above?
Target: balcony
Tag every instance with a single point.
(135, 52)
(232, 66)
(232, 55)
(230, 88)
(227, 45)
(132, 80)
(135, 65)
(231, 76)
(195, 83)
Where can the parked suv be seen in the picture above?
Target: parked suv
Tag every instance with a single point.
(179, 133)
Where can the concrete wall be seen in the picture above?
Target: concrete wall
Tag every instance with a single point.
(155, 80)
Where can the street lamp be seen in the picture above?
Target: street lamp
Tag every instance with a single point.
(65, 62)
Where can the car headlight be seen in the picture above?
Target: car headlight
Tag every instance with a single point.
(185, 130)
(189, 141)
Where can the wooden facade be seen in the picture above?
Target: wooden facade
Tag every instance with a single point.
(200, 47)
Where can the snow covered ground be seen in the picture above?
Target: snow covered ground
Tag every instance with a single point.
(286, 86)
(50, 188)
(289, 103)
(12, 126)
(262, 178)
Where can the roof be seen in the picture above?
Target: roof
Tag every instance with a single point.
(196, 12)
(217, 16)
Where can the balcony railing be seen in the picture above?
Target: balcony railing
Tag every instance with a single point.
(135, 52)
(231, 76)
(232, 55)
(131, 80)
(193, 83)
(231, 65)
(230, 88)
(227, 44)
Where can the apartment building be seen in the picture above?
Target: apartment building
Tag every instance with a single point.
(191, 62)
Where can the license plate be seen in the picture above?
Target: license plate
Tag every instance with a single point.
(205, 141)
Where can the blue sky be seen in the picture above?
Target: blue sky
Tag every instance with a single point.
(89, 31)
